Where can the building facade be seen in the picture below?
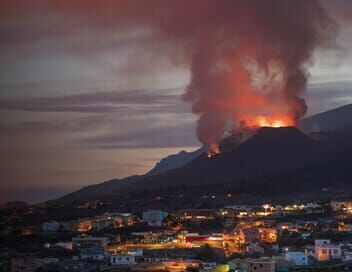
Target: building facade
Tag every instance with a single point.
(326, 251)
(84, 242)
(297, 258)
(118, 259)
(154, 218)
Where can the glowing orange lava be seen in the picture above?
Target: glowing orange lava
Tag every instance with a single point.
(253, 123)
(265, 121)
(213, 150)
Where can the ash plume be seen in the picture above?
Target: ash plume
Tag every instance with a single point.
(248, 58)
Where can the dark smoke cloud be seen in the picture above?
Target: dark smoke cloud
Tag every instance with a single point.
(246, 57)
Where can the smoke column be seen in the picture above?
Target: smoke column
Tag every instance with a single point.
(248, 58)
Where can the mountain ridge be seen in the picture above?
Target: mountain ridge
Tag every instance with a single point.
(233, 166)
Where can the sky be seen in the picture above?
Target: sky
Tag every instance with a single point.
(84, 100)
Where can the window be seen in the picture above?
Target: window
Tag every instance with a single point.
(324, 251)
(336, 251)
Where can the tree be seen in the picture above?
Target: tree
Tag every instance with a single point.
(206, 253)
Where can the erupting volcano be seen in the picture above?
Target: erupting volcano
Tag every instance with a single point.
(249, 125)
(248, 60)
(251, 72)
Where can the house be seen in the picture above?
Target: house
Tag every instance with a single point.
(238, 265)
(198, 214)
(347, 256)
(122, 219)
(51, 226)
(72, 265)
(102, 222)
(344, 227)
(281, 264)
(88, 242)
(339, 205)
(252, 265)
(326, 251)
(261, 265)
(237, 236)
(254, 248)
(256, 234)
(79, 225)
(268, 235)
(154, 218)
(96, 254)
(297, 258)
(119, 259)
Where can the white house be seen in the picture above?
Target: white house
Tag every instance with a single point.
(88, 241)
(96, 254)
(261, 265)
(347, 256)
(326, 251)
(297, 258)
(117, 259)
(52, 226)
(154, 217)
(102, 222)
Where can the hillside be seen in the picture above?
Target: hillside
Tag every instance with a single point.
(175, 161)
(269, 152)
(335, 119)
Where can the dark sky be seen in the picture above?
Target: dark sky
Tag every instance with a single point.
(85, 102)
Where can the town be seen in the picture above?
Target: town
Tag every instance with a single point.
(268, 237)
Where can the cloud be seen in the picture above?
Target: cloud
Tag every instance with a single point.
(100, 102)
(328, 95)
(176, 135)
(115, 119)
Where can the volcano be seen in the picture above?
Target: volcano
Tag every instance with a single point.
(271, 151)
(289, 158)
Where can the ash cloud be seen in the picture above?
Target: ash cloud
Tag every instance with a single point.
(246, 58)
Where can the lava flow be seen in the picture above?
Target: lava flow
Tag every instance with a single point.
(213, 150)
